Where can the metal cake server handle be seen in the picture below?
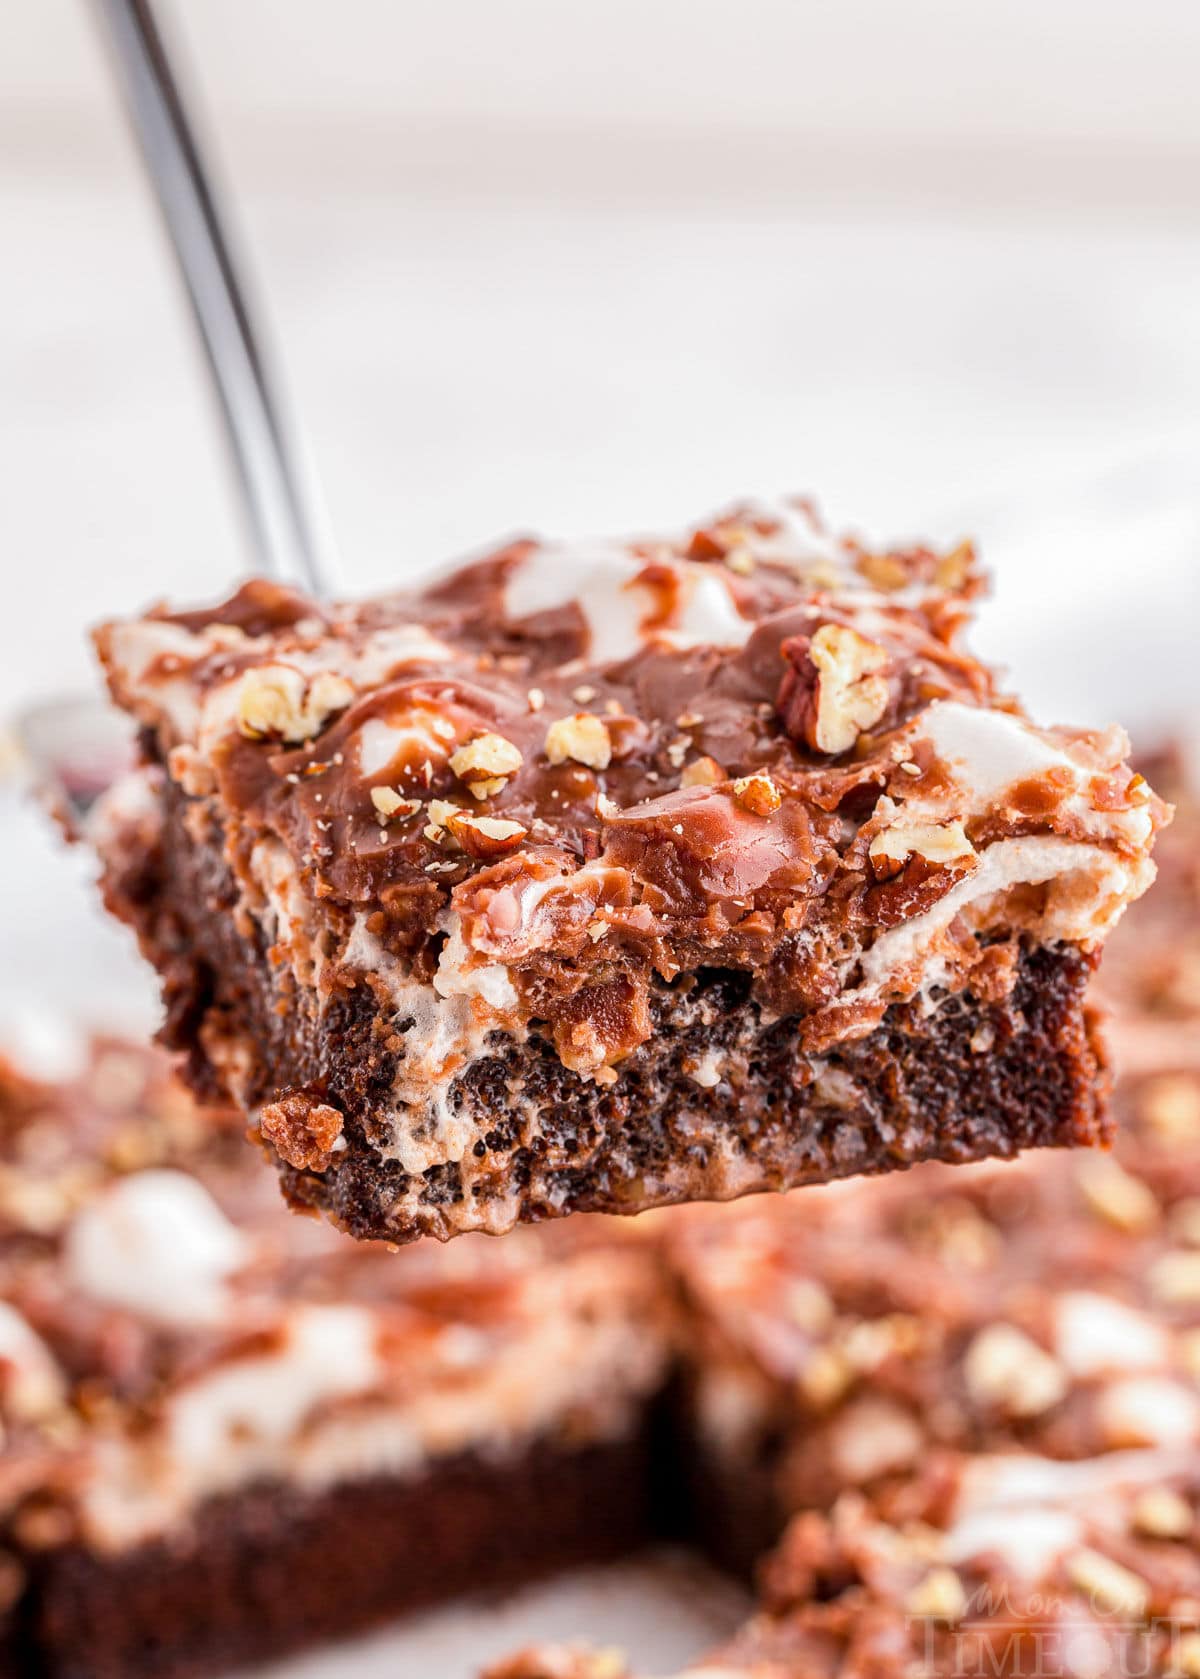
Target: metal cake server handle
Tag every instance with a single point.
(69, 749)
(279, 493)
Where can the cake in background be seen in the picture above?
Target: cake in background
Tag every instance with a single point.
(230, 1432)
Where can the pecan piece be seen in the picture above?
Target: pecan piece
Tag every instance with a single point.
(832, 689)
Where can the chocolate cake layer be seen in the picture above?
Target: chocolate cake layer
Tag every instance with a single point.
(612, 877)
(270, 1570)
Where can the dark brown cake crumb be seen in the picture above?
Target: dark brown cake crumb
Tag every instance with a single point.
(301, 1130)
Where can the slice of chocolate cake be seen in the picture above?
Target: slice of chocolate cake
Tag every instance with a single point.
(229, 1433)
(600, 878)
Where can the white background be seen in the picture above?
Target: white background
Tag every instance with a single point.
(593, 267)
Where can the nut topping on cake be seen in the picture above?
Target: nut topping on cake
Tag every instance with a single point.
(485, 763)
(389, 803)
(1006, 1369)
(701, 772)
(939, 1597)
(275, 701)
(936, 842)
(486, 836)
(583, 739)
(757, 793)
(832, 691)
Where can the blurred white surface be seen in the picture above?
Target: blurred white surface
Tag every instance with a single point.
(1079, 72)
(662, 1609)
(473, 370)
(64, 959)
(586, 269)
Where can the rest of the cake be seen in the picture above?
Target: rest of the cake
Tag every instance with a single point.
(1050, 1306)
(1005, 1567)
(607, 877)
(229, 1432)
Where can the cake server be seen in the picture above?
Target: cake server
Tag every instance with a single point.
(278, 489)
(70, 747)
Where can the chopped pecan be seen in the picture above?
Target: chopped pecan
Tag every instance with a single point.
(486, 836)
(583, 738)
(276, 702)
(702, 772)
(832, 689)
(757, 793)
(936, 842)
(388, 802)
(442, 813)
(485, 763)
(601, 1023)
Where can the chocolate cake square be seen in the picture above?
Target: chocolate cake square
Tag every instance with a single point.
(600, 878)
